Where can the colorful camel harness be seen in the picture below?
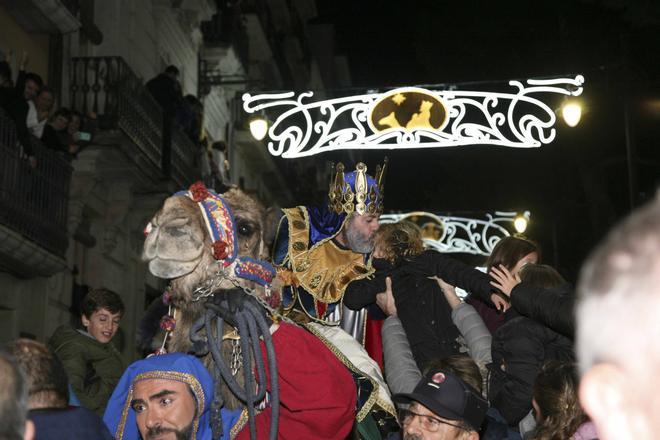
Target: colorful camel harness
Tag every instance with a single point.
(250, 324)
(221, 226)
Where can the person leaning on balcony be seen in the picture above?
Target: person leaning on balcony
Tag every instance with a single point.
(56, 136)
(81, 130)
(92, 363)
(166, 90)
(39, 111)
(16, 107)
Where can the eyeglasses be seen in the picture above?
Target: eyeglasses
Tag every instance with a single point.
(429, 423)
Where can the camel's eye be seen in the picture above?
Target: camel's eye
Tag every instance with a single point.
(244, 229)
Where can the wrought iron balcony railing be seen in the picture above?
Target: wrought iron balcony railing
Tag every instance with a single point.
(185, 167)
(110, 88)
(33, 201)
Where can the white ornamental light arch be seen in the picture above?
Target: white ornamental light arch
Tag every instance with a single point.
(419, 118)
(455, 234)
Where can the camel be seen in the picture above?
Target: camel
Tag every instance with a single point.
(179, 247)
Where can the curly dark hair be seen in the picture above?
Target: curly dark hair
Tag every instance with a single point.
(399, 241)
(556, 394)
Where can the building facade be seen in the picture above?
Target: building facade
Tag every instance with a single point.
(71, 225)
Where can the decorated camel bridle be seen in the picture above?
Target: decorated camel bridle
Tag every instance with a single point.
(247, 318)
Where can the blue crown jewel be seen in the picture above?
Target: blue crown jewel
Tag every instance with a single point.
(357, 191)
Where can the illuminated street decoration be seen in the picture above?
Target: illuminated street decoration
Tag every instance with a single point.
(408, 109)
(459, 234)
(412, 118)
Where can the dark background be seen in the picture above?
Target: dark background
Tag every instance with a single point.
(577, 186)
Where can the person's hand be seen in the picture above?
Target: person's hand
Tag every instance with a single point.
(92, 115)
(449, 292)
(501, 304)
(504, 280)
(385, 300)
(73, 149)
(32, 161)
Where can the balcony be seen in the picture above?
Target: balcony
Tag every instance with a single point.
(110, 88)
(33, 206)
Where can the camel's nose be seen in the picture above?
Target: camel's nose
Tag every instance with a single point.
(149, 248)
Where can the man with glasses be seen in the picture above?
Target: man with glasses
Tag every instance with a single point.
(442, 407)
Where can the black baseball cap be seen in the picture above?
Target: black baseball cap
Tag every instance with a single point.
(449, 397)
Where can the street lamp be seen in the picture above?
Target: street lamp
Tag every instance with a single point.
(520, 222)
(258, 127)
(571, 111)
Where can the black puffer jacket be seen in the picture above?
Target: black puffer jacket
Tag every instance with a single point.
(421, 305)
(551, 307)
(519, 349)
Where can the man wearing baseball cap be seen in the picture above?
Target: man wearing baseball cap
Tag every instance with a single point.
(442, 407)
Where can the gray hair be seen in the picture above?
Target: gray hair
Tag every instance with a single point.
(13, 399)
(619, 295)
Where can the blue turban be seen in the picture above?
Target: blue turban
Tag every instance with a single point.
(120, 417)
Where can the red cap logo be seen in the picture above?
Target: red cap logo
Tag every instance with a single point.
(438, 378)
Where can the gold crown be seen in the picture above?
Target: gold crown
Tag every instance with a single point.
(364, 196)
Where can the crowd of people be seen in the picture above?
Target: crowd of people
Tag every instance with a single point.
(31, 106)
(499, 365)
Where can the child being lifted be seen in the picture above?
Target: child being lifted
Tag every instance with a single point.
(420, 304)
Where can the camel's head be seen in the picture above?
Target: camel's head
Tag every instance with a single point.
(197, 233)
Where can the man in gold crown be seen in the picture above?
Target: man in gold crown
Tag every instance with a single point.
(320, 250)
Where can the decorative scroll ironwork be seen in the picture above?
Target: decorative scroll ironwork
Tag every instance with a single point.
(33, 201)
(459, 234)
(108, 87)
(519, 119)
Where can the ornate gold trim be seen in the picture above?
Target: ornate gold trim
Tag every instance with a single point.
(186, 378)
(239, 425)
(119, 434)
(368, 405)
(326, 283)
(344, 199)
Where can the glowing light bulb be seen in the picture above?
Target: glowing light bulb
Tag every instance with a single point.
(258, 128)
(520, 224)
(571, 112)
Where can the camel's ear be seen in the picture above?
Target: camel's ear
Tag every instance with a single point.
(271, 222)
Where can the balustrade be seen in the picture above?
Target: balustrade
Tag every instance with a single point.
(108, 87)
(33, 201)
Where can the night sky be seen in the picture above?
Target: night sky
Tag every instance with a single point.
(577, 186)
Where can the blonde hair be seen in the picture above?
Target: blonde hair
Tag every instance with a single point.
(399, 241)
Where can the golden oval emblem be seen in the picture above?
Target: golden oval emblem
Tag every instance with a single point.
(408, 109)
